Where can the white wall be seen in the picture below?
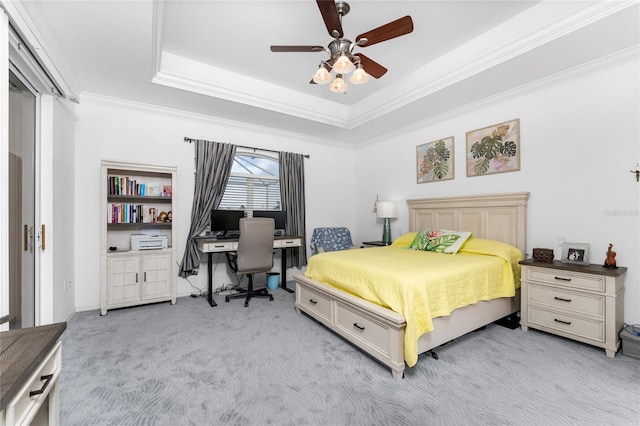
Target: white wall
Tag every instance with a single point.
(580, 137)
(62, 229)
(118, 130)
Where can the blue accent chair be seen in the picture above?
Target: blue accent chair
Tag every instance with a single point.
(330, 239)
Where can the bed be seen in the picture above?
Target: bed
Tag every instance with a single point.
(381, 331)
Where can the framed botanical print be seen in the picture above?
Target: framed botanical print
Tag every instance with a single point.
(434, 161)
(494, 149)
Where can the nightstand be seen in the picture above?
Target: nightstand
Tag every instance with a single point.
(580, 302)
(369, 244)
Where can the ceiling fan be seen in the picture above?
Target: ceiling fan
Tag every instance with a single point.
(342, 60)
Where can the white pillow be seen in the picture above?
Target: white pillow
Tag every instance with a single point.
(440, 240)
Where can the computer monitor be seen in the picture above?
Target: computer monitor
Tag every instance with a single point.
(279, 216)
(226, 222)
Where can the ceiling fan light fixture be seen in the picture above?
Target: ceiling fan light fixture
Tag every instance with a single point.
(322, 76)
(343, 65)
(338, 85)
(359, 76)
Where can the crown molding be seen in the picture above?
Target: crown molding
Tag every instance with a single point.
(186, 74)
(98, 99)
(523, 33)
(619, 58)
(531, 29)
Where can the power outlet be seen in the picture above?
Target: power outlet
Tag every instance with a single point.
(561, 241)
(228, 292)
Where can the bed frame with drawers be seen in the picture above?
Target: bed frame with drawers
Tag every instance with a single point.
(379, 331)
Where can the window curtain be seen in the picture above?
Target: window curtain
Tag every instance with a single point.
(292, 195)
(213, 166)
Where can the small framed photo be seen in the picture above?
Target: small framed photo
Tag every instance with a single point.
(577, 253)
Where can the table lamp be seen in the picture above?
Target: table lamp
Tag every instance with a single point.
(387, 210)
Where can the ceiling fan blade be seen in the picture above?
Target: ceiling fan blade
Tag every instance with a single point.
(297, 48)
(372, 68)
(394, 29)
(329, 13)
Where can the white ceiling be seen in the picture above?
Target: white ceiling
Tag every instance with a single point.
(213, 57)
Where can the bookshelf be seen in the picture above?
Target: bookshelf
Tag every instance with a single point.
(136, 199)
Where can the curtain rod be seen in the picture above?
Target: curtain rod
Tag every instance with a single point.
(189, 140)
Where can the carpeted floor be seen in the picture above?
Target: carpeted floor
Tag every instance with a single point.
(190, 364)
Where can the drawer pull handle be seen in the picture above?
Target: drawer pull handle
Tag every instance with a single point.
(561, 299)
(47, 379)
(562, 279)
(562, 322)
(355, 324)
(313, 301)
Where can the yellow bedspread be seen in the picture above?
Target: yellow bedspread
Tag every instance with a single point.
(421, 285)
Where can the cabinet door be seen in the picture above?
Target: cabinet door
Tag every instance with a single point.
(123, 279)
(155, 275)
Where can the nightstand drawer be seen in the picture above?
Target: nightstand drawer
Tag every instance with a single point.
(585, 328)
(566, 279)
(567, 301)
(26, 405)
(360, 327)
(317, 303)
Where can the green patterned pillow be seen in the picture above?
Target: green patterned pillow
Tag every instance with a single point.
(439, 240)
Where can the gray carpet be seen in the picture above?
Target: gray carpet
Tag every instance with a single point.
(190, 364)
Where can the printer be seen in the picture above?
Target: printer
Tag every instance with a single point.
(149, 242)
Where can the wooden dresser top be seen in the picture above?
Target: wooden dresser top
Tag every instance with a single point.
(21, 352)
(586, 269)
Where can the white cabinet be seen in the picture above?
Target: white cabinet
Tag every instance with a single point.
(580, 302)
(133, 279)
(137, 199)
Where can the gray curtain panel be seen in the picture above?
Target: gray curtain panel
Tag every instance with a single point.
(213, 166)
(292, 194)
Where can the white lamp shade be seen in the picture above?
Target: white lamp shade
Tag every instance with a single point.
(338, 85)
(387, 209)
(359, 76)
(343, 65)
(322, 76)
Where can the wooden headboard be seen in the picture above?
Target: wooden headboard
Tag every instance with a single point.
(499, 217)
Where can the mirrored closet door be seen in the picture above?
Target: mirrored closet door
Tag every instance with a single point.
(22, 196)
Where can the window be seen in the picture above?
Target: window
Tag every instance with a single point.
(254, 183)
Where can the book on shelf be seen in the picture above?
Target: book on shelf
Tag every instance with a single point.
(124, 185)
(118, 185)
(132, 213)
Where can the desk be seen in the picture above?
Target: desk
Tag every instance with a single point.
(210, 245)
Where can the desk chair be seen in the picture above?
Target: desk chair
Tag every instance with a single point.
(254, 254)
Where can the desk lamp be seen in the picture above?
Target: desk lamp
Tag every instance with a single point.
(387, 210)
